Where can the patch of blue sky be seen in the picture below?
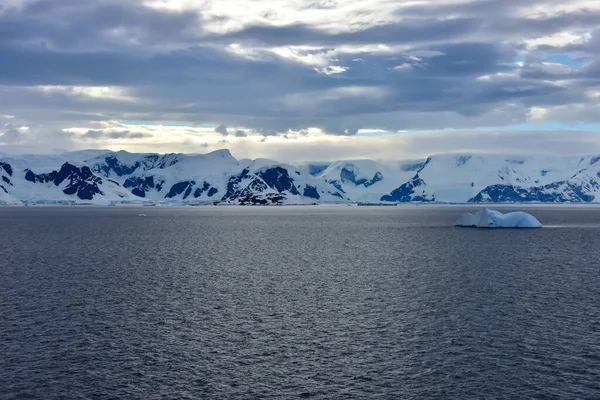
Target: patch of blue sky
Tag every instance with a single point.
(567, 60)
(518, 60)
(564, 59)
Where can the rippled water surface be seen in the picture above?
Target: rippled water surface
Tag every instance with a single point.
(288, 302)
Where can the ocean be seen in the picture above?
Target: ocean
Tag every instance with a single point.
(324, 302)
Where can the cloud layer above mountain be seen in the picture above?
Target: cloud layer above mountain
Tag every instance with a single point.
(183, 75)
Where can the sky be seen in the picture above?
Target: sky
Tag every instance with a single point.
(301, 79)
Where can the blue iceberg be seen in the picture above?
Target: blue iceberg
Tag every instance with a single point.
(495, 219)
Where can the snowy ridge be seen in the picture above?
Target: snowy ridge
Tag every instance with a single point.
(106, 177)
(450, 178)
(101, 177)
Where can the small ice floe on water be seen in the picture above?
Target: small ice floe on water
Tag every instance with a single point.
(487, 218)
(142, 215)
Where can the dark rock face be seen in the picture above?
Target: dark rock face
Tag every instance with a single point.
(184, 187)
(462, 160)
(408, 192)
(337, 185)
(249, 187)
(139, 186)
(557, 192)
(31, 177)
(316, 169)
(413, 167)
(206, 187)
(198, 192)
(234, 188)
(163, 162)
(81, 181)
(348, 175)
(113, 165)
(417, 166)
(279, 179)
(312, 192)
(6, 167)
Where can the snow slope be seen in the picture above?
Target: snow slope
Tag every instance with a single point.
(100, 177)
(451, 178)
(106, 177)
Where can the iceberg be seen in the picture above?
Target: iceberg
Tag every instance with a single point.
(495, 219)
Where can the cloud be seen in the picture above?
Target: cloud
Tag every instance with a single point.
(423, 65)
(332, 70)
(107, 134)
(12, 133)
(240, 134)
(221, 129)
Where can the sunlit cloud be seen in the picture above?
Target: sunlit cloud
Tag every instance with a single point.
(91, 92)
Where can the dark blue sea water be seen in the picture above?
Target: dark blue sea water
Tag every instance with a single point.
(296, 302)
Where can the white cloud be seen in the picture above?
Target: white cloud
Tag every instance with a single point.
(498, 76)
(560, 39)
(403, 67)
(419, 144)
(423, 53)
(542, 10)
(538, 114)
(555, 68)
(332, 70)
(114, 93)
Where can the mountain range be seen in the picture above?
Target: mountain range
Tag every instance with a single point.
(106, 177)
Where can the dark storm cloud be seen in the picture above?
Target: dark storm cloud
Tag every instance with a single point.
(180, 71)
(94, 134)
(221, 129)
(87, 25)
(410, 31)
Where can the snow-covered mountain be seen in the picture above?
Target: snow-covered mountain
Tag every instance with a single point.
(469, 178)
(105, 177)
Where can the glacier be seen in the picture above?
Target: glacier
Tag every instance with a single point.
(487, 218)
(104, 177)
